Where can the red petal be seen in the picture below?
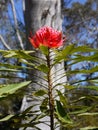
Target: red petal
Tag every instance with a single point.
(33, 42)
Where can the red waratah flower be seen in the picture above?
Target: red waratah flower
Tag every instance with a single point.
(46, 36)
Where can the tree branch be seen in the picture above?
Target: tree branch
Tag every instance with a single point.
(16, 24)
(4, 43)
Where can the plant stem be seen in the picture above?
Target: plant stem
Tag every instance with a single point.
(50, 87)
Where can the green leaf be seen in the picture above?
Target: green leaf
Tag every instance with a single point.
(63, 99)
(92, 87)
(9, 70)
(30, 125)
(92, 70)
(88, 114)
(90, 79)
(9, 54)
(62, 55)
(43, 68)
(17, 53)
(26, 111)
(72, 50)
(40, 92)
(26, 62)
(12, 66)
(61, 111)
(8, 117)
(83, 49)
(24, 54)
(8, 89)
(79, 58)
(69, 87)
(81, 110)
(65, 52)
(44, 104)
(62, 114)
(44, 50)
(90, 128)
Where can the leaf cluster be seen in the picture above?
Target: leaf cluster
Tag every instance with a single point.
(72, 107)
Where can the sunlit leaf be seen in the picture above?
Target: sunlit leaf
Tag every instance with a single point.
(82, 110)
(9, 70)
(43, 68)
(40, 92)
(83, 48)
(8, 89)
(62, 55)
(8, 117)
(88, 114)
(26, 62)
(69, 87)
(89, 128)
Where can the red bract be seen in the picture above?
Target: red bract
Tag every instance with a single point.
(46, 36)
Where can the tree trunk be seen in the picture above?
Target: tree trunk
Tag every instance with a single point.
(39, 13)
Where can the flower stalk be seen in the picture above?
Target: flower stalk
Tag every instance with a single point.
(47, 38)
(50, 92)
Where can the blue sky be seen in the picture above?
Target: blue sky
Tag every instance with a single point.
(19, 11)
(72, 1)
(81, 1)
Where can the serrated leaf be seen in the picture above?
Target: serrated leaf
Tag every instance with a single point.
(40, 92)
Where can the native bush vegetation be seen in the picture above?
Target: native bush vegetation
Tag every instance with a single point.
(73, 106)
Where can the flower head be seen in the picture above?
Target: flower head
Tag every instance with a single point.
(46, 36)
